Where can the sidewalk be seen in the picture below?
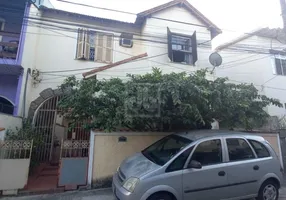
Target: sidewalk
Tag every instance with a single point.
(103, 194)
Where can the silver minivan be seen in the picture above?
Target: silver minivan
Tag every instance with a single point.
(201, 165)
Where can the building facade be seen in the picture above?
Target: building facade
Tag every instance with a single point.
(175, 37)
(258, 57)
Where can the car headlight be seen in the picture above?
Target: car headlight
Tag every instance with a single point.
(130, 184)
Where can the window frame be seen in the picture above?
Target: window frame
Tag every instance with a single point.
(280, 56)
(2, 26)
(205, 140)
(192, 147)
(227, 153)
(269, 153)
(193, 53)
(87, 33)
(281, 66)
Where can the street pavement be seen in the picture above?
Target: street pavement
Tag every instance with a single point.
(103, 194)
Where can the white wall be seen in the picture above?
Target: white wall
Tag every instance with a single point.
(255, 68)
(14, 173)
(9, 122)
(50, 50)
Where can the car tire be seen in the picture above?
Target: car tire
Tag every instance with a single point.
(161, 196)
(269, 188)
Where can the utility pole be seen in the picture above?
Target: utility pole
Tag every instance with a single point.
(283, 14)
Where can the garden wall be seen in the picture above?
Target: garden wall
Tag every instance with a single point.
(110, 149)
(109, 152)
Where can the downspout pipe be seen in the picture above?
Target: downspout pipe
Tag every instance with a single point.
(25, 92)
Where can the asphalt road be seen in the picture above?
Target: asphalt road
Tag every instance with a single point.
(105, 194)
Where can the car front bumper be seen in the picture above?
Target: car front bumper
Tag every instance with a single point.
(119, 192)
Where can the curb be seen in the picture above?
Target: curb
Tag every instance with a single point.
(51, 192)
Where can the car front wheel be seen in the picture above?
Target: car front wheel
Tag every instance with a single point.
(161, 196)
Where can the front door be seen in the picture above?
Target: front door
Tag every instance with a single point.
(210, 181)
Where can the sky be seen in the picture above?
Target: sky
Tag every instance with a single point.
(234, 17)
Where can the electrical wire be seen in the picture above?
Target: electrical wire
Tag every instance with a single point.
(140, 34)
(151, 17)
(82, 69)
(170, 65)
(136, 14)
(241, 63)
(130, 13)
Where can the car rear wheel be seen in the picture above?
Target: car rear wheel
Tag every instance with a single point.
(161, 196)
(268, 191)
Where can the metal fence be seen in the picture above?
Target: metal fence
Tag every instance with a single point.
(16, 149)
(74, 148)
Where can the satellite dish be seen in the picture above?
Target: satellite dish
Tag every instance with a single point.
(215, 59)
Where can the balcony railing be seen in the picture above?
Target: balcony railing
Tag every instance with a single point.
(9, 48)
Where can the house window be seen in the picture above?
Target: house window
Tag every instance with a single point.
(280, 65)
(2, 25)
(182, 48)
(6, 106)
(94, 46)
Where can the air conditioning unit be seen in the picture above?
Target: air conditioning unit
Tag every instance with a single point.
(126, 42)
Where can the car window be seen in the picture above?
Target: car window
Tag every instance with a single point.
(208, 153)
(238, 149)
(165, 149)
(180, 161)
(259, 148)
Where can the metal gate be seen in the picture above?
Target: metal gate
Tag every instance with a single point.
(44, 123)
(73, 163)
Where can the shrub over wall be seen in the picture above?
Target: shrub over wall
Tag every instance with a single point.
(164, 102)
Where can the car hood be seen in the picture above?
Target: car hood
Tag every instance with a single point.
(137, 166)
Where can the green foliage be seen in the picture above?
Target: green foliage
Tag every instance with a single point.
(163, 102)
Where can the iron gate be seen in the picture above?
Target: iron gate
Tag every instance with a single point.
(45, 120)
(44, 123)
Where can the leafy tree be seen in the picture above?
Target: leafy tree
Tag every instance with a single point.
(163, 102)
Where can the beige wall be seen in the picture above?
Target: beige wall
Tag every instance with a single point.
(13, 173)
(273, 140)
(109, 153)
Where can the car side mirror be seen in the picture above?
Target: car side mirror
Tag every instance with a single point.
(194, 165)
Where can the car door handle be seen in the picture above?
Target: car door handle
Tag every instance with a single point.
(256, 167)
(221, 173)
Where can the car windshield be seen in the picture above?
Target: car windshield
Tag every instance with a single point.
(165, 149)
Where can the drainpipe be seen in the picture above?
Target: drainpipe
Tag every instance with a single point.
(25, 92)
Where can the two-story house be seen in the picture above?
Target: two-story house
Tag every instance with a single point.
(12, 36)
(174, 37)
(258, 57)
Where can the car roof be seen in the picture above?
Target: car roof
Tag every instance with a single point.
(201, 134)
